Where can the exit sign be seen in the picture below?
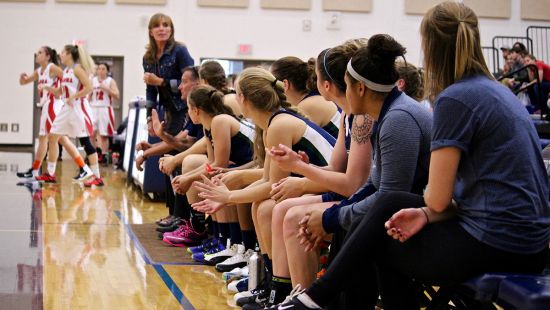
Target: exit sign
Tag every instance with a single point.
(244, 49)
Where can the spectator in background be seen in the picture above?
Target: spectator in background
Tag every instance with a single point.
(543, 71)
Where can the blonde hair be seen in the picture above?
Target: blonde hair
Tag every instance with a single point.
(451, 45)
(80, 55)
(265, 93)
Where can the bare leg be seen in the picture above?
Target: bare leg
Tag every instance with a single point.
(302, 265)
(53, 148)
(244, 212)
(265, 210)
(42, 148)
(103, 142)
(256, 226)
(280, 260)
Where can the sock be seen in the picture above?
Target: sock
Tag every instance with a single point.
(36, 165)
(182, 207)
(280, 288)
(249, 238)
(235, 233)
(268, 271)
(95, 170)
(87, 169)
(307, 301)
(215, 229)
(51, 168)
(197, 223)
(80, 162)
(224, 231)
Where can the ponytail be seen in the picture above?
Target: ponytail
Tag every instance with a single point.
(86, 60)
(54, 58)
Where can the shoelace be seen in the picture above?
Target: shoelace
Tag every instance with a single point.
(182, 227)
(297, 290)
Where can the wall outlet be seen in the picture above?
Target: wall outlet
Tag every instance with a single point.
(306, 25)
(14, 127)
(3, 127)
(334, 21)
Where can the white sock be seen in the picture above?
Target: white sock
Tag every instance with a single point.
(35, 172)
(307, 301)
(51, 168)
(87, 169)
(95, 169)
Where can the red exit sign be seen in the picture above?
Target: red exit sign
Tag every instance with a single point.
(245, 49)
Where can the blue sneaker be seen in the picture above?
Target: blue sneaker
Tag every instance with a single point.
(205, 246)
(199, 257)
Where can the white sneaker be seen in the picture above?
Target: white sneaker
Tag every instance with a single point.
(213, 259)
(238, 285)
(236, 272)
(238, 260)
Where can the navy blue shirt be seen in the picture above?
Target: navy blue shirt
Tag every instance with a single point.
(169, 67)
(501, 187)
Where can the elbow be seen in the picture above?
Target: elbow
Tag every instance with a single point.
(435, 204)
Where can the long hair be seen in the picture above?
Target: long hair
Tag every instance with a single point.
(376, 61)
(210, 100)
(54, 58)
(265, 93)
(79, 54)
(298, 73)
(414, 85)
(152, 48)
(214, 74)
(451, 45)
(332, 62)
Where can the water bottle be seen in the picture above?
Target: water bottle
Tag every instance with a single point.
(255, 270)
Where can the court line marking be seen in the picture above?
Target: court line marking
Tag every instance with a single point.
(163, 274)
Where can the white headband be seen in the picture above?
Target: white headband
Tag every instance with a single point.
(374, 86)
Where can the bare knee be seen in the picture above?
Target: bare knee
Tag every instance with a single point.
(291, 222)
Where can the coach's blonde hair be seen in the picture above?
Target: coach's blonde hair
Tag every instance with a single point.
(451, 45)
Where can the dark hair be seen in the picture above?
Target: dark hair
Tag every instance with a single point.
(106, 66)
(214, 74)
(414, 86)
(151, 48)
(54, 58)
(332, 62)
(376, 61)
(194, 72)
(518, 46)
(209, 99)
(298, 73)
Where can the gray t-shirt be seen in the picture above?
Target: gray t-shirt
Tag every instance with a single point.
(401, 155)
(501, 186)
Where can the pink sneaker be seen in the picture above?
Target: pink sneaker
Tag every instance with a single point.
(187, 236)
(183, 226)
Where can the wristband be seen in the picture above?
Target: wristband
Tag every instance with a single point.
(426, 214)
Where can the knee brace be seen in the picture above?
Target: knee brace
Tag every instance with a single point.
(87, 144)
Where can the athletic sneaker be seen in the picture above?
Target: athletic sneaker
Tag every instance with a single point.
(26, 175)
(258, 296)
(213, 259)
(185, 236)
(240, 259)
(206, 244)
(94, 181)
(237, 286)
(294, 301)
(164, 221)
(199, 257)
(236, 272)
(83, 174)
(46, 177)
